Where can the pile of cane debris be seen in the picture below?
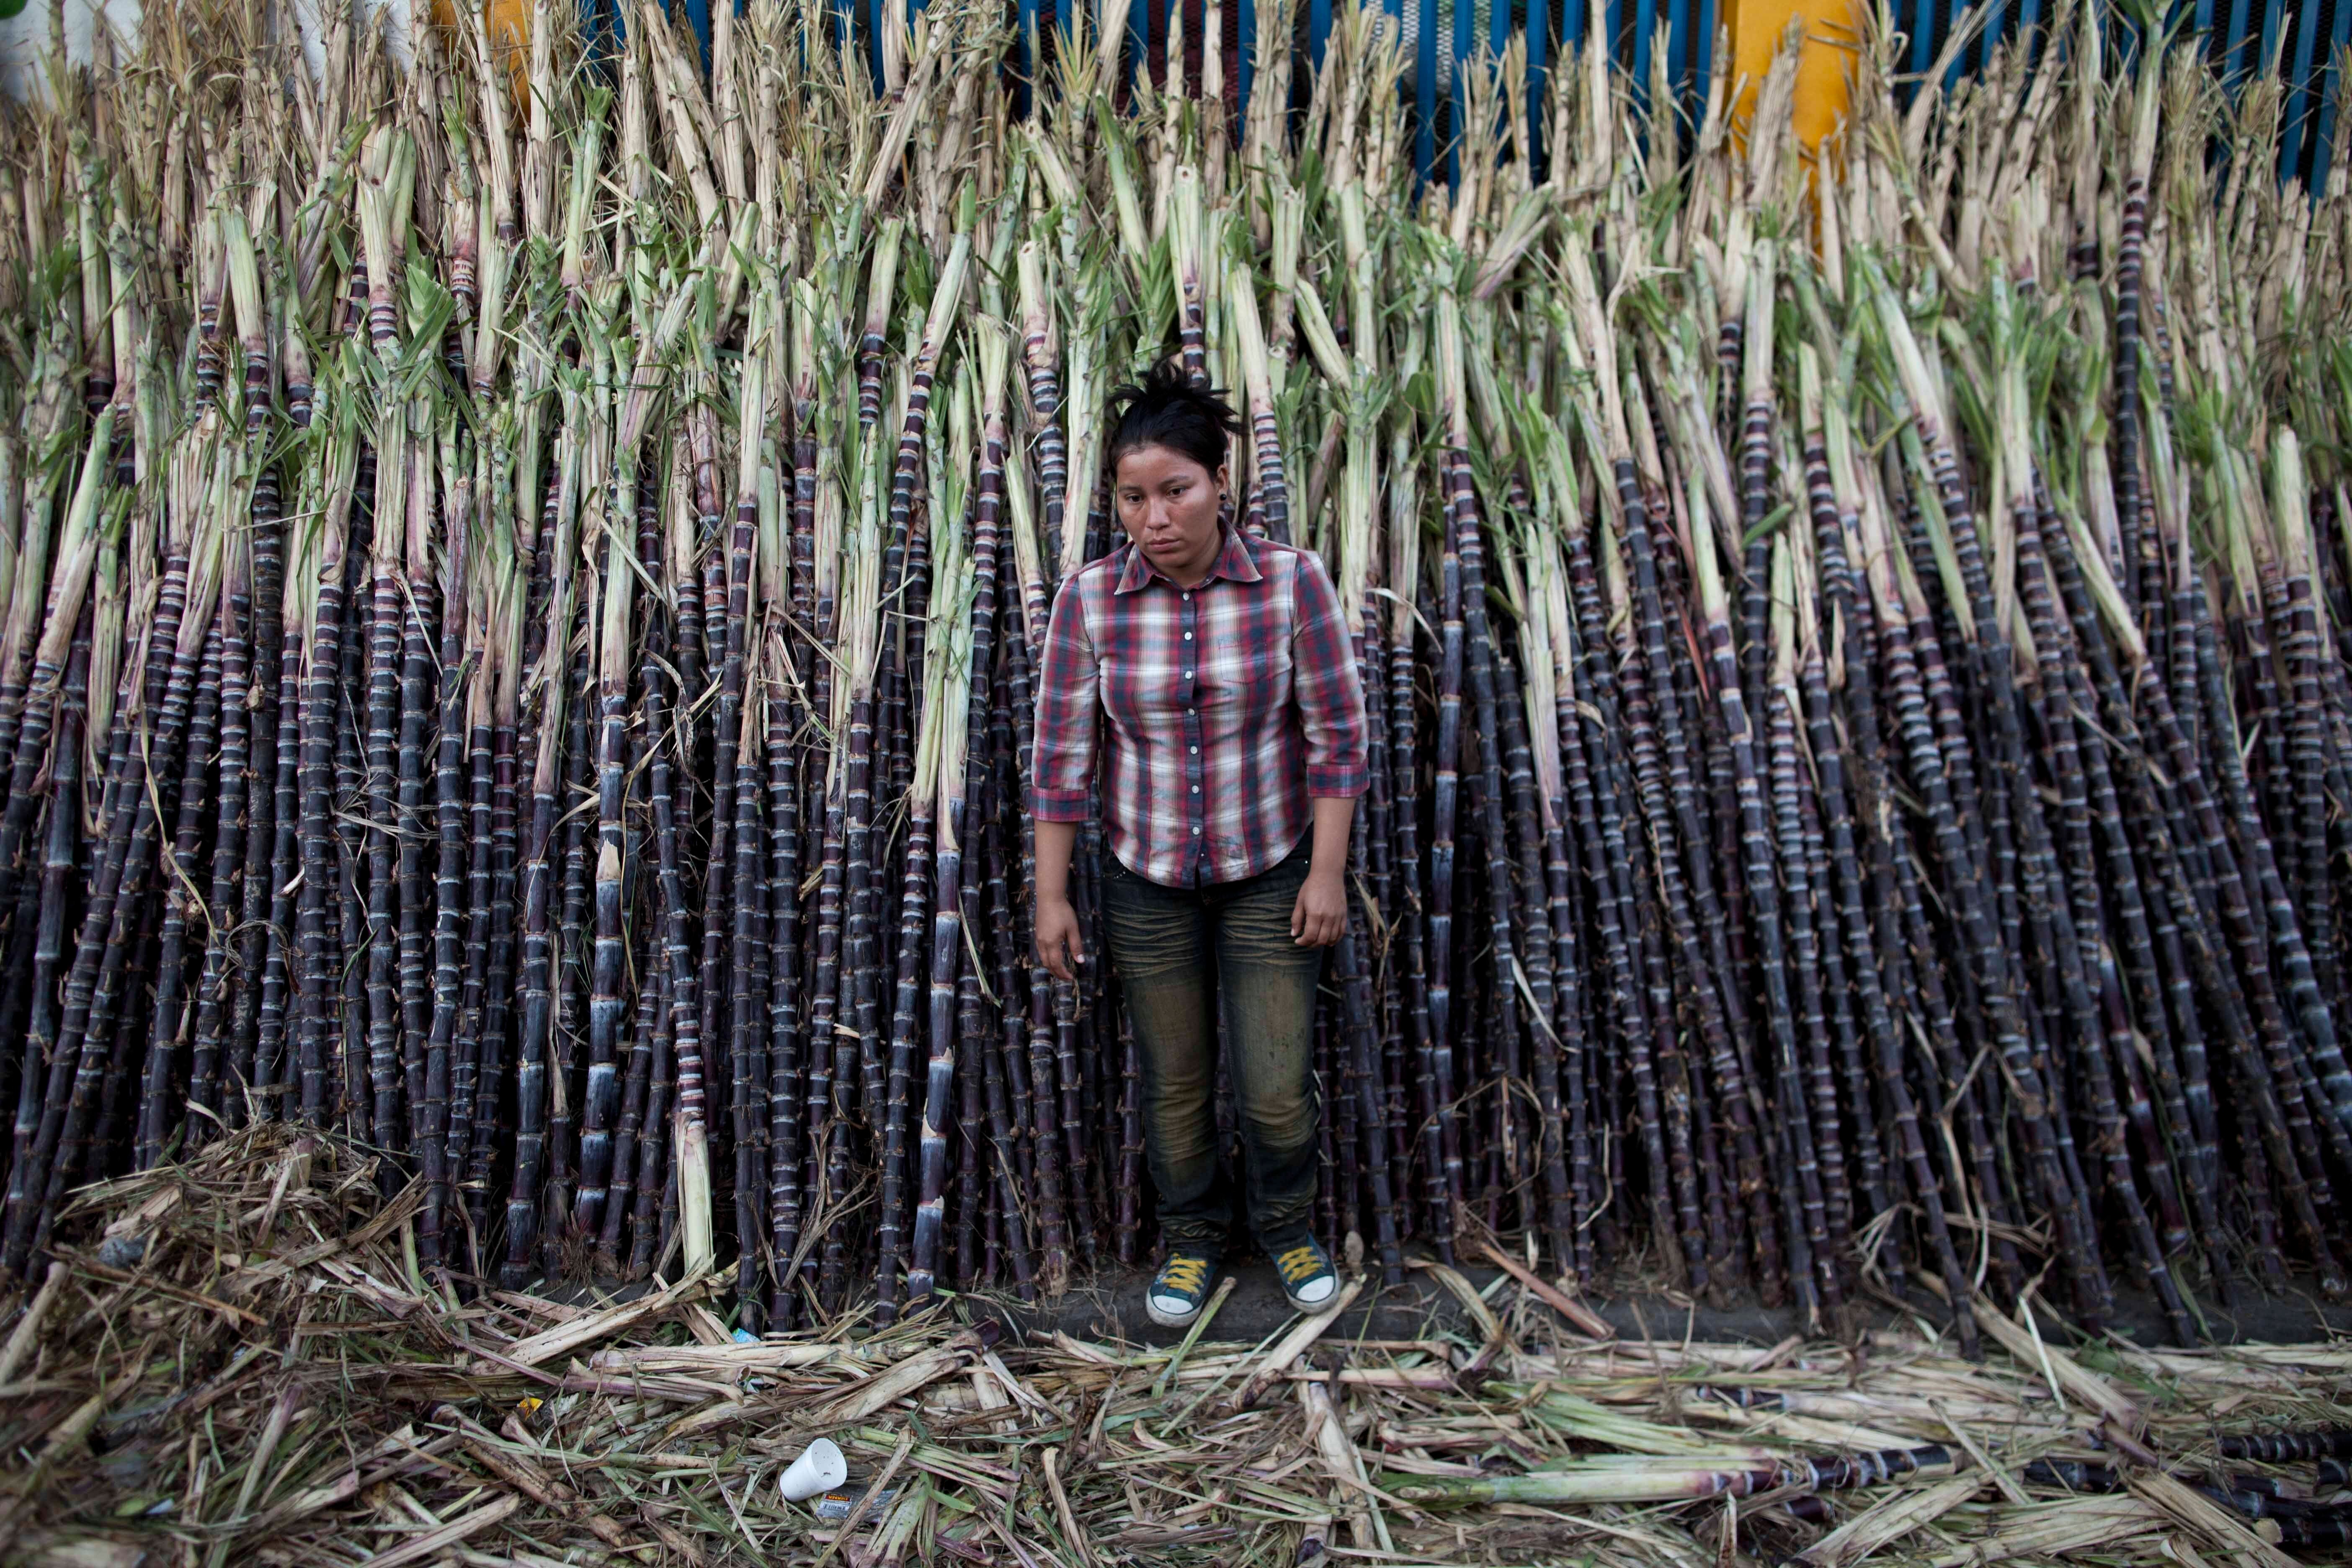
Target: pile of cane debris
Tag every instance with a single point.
(239, 1361)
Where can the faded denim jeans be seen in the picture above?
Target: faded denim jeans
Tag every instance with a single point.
(1184, 955)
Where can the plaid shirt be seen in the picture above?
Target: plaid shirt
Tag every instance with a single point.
(1228, 705)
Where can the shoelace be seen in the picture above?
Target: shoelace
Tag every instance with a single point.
(1301, 1264)
(1184, 1276)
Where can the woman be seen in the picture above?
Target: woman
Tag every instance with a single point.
(1209, 677)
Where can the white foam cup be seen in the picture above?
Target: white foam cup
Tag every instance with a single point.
(820, 1468)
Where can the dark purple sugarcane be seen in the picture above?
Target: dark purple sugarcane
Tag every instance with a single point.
(420, 616)
(477, 1048)
(267, 641)
(27, 1174)
(213, 981)
(914, 919)
(2159, 825)
(393, 1130)
(748, 1046)
(1006, 1174)
(649, 755)
(448, 1087)
(1812, 1268)
(1501, 893)
(277, 879)
(1820, 1106)
(2105, 1041)
(315, 780)
(536, 1004)
(939, 1085)
(572, 956)
(1405, 814)
(1912, 682)
(1445, 784)
(1035, 1098)
(1669, 805)
(491, 1128)
(1608, 867)
(784, 1038)
(161, 689)
(855, 1018)
(600, 1104)
(2294, 629)
(2301, 988)
(165, 1037)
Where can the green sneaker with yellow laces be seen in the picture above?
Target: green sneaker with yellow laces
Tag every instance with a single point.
(1180, 1287)
(1308, 1277)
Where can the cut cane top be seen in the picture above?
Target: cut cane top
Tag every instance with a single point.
(1223, 709)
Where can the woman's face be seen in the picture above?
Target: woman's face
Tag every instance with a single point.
(1169, 505)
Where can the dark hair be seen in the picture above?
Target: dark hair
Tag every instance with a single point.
(1165, 409)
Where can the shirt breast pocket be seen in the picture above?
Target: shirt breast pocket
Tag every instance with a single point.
(1252, 693)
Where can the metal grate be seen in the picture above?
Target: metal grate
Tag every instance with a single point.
(1444, 37)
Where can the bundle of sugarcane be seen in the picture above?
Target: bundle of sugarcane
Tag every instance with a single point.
(1853, 643)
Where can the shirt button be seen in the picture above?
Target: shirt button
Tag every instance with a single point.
(1188, 596)
(1196, 750)
(1188, 636)
(1196, 833)
(1196, 789)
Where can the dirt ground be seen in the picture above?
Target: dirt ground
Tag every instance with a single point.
(1109, 1306)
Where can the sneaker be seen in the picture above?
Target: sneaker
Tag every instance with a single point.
(1308, 1277)
(1180, 1288)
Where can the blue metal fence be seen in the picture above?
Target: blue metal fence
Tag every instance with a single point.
(1443, 38)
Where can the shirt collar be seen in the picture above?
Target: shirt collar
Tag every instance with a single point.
(1235, 563)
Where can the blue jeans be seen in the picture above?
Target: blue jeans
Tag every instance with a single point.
(1186, 957)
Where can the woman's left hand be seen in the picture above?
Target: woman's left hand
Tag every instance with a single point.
(1320, 916)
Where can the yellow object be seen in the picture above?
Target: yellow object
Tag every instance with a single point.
(510, 25)
(1756, 27)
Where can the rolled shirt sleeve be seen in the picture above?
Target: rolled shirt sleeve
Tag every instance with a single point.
(1326, 686)
(1068, 701)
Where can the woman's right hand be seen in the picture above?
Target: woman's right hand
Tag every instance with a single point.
(1057, 937)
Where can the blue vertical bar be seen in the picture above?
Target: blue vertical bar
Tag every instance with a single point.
(2204, 25)
(1026, 55)
(1612, 23)
(2298, 103)
(1138, 37)
(1318, 30)
(1693, 92)
(1464, 13)
(1538, 59)
(2272, 18)
(2232, 60)
(2029, 17)
(2330, 102)
(1062, 17)
(1923, 41)
(1679, 26)
(1424, 87)
(1952, 71)
(1646, 23)
(1247, 69)
(698, 17)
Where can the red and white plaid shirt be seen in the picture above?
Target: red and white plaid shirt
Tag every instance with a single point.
(1230, 705)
